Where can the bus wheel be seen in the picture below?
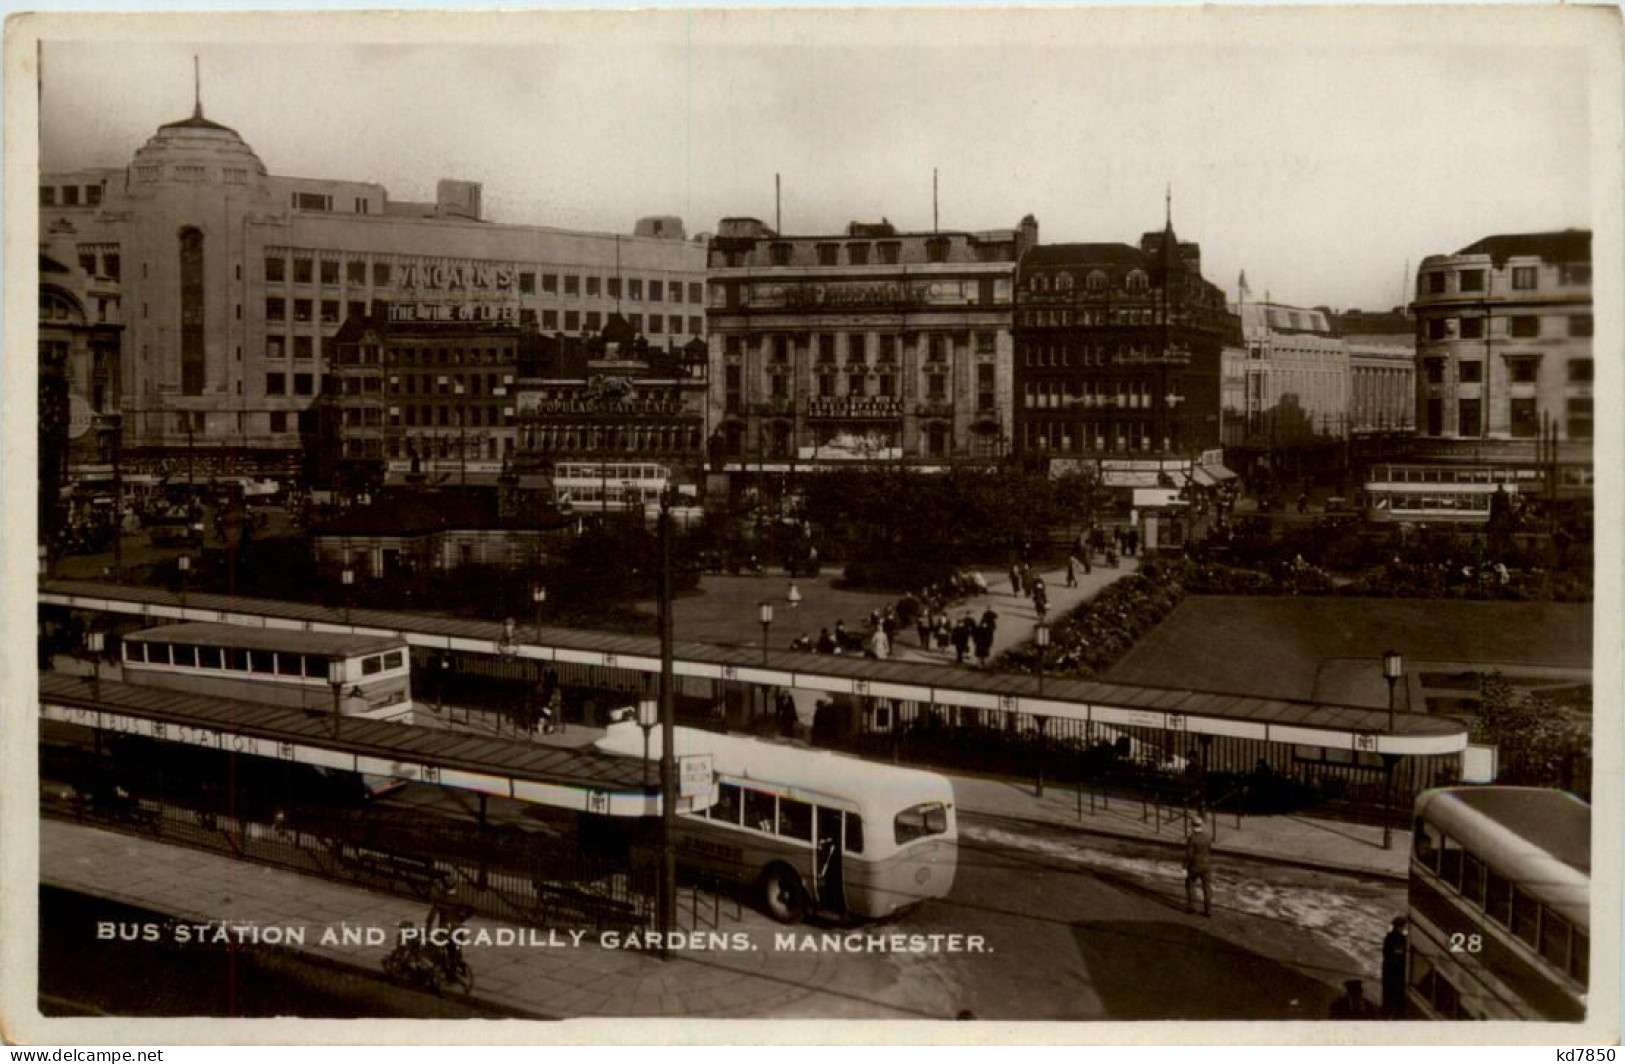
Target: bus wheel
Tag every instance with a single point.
(782, 895)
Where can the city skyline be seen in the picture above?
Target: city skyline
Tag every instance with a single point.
(1318, 201)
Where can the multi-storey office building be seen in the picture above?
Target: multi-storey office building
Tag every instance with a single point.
(232, 283)
(1297, 374)
(869, 345)
(1118, 352)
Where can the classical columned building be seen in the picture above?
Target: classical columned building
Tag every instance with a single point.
(868, 346)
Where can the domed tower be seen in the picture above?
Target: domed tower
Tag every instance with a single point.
(190, 191)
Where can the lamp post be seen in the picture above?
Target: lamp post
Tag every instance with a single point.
(95, 643)
(764, 614)
(538, 597)
(1041, 640)
(648, 719)
(1393, 670)
(347, 577)
(184, 562)
(335, 678)
(462, 438)
(793, 596)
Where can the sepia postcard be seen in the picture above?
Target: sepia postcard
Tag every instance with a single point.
(872, 525)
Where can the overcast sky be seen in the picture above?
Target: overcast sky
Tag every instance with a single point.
(1319, 156)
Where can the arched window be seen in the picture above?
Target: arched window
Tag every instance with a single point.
(1137, 281)
(1096, 281)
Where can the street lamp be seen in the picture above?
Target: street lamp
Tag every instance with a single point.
(1393, 670)
(184, 562)
(1041, 640)
(764, 614)
(462, 438)
(648, 718)
(95, 643)
(793, 596)
(335, 677)
(347, 577)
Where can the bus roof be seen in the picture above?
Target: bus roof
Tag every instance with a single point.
(1537, 837)
(245, 637)
(791, 766)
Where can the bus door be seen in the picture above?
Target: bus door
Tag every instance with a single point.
(828, 880)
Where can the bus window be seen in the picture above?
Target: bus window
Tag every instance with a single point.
(315, 666)
(1472, 879)
(1498, 898)
(854, 833)
(394, 660)
(918, 821)
(726, 809)
(1554, 939)
(209, 658)
(759, 813)
(1450, 857)
(290, 664)
(237, 658)
(135, 650)
(1580, 957)
(262, 661)
(1425, 845)
(185, 654)
(372, 665)
(795, 819)
(1525, 916)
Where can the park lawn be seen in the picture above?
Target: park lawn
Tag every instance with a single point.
(1285, 646)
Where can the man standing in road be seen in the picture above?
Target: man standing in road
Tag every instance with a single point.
(1198, 868)
(1395, 950)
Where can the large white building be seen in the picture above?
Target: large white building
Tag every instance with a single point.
(230, 283)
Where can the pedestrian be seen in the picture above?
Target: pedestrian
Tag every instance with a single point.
(826, 642)
(879, 646)
(1015, 580)
(1395, 951)
(922, 627)
(982, 637)
(1071, 572)
(1353, 1004)
(1088, 565)
(1133, 542)
(1040, 597)
(1027, 578)
(1198, 868)
(944, 632)
(840, 637)
(961, 637)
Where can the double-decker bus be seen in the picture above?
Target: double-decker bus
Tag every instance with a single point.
(276, 665)
(1500, 920)
(591, 487)
(1406, 492)
(812, 829)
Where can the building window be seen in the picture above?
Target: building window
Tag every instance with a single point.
(1471, 372)
(827, 254)
(304, 384)
(275, 347)
(612, 288)
(1580, 371)
(355, 271)
(778, 254)
(656, 323)
(826, 348)
(594, 321)
(1575, 273)
(890, 252)
(694, 293)
(276, 384)
(47, 196)
(304, 347)
(311, 201)
(634, 289)
(1525, 325)
(1472, 328)
(301, 310)
(1523, 370)
(1471, 280)
(1523, 277)
(657, 291)
(888, 348)
(696, 324)
(1525, 423)
(1137, 281)
(857, 254)
(279, 421)
(1438, 329)
(330, 271)
(984, 387)
(275, 268)
(636, 321)
(356, 309)
(1434, 369)
(887, 387)
(572, 320)
(302, 271)
(1580, 325)
(193, 305)
(854, 385)
(936, 387)
(380, 274)
(550, 320)
(1435, 283)
(1467, 418)
(826, 385)
(330, 312)
(1579, 409)
(936, 249)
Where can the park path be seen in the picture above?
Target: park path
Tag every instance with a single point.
(1016, 612)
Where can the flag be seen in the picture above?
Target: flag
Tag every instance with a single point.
(1241, 285)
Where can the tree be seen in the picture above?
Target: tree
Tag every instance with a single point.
(1541, 744)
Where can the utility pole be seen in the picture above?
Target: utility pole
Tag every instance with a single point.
(668, 740)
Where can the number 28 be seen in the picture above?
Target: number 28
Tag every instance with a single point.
(1464, 943)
